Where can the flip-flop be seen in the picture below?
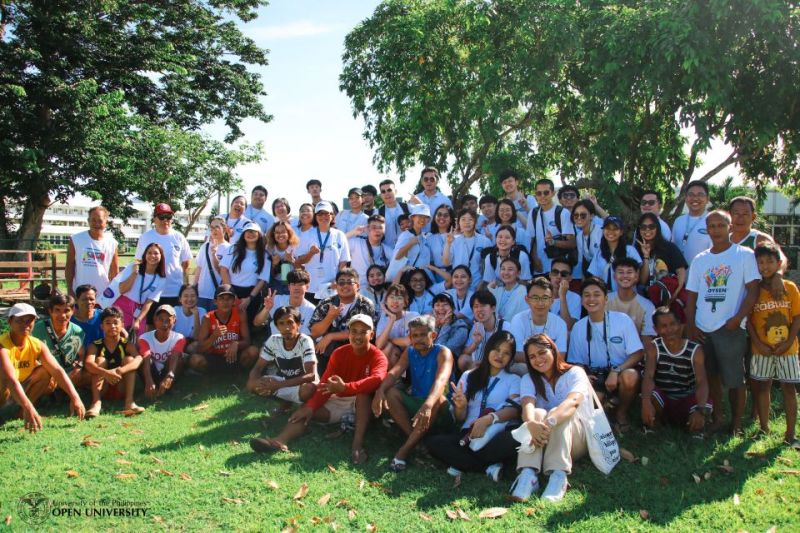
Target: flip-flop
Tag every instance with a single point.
(267, 446)
(93, 412)
(133, 411)
(397, 465)
(358, 457)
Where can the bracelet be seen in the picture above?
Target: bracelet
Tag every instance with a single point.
(495, 418)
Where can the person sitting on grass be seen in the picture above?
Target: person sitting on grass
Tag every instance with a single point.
(291, 355)
(224, 335)
(63, 337)
(28, 371)
(556, 401)
(162, 353)
(392, 330)
(773, 325)
(484, 325)
(112, 360)
(188, 315)
(297, 283)
(430, 367)
(674, 388)
(509, 292)
(354, 372)
(87, 314)
(485, 401)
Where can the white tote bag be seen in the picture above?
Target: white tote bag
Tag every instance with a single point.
(600, 440)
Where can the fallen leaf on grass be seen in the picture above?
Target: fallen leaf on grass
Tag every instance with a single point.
(351, 515)
(157, 519)
(315, 520)
(125, 476)
(462, 515)
(123, 462)
(90, 443)
(324, 499)
(237, 501)
(759, 492)
(342, 503)
(273, 484)
(202, 448)
(628, 456)
(334, 526)
(728, 469)
(361, 484)
(452, 515)
(186, 477)
(425, 516)
(8, 520)
(165, 472)
(121, 452)
(785, 461)
(300, 504)
(644, 514)
(759, 455)
(137, 432)
(46, 449)
(289, 529)
(72, 473)
(372, 528)
(773, 529)
(645, 461)
(157, 460)
(200, 407)
(331, 469)
(790, 472)
(493, 512)
(224, 473)
(696, 478)
(301, 492)
(707, 476)
(736, 499)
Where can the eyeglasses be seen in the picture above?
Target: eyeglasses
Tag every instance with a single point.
(562, 273)
(647, 227)
(580, 215)
(538, 299)
(346, 282)
(164, 217)
(648, 202)
(384, 191)
(568, 195)
(543, 193)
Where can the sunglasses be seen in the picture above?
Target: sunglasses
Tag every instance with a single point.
(580, 215)
(648, 202)
(164, 217)
(569, 195)
(384, 191)
(562, 273)
(543, 193)
(429, 178)
(647, 227)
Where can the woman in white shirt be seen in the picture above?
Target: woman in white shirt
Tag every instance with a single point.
(555, 398)
(508, 292)
(391, 334)
(614, 245)
(485, 401)
(246, 268)
(207, 274)
(588, 233)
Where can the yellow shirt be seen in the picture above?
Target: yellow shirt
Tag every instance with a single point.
(772, 319)
(24, 359)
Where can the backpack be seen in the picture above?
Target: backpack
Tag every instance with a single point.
(571, 255)
(403, 206)
(514, 253)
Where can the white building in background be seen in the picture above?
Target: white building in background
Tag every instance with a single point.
(62, 220)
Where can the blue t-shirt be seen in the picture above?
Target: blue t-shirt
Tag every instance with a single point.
(423, 370)
(91, 329)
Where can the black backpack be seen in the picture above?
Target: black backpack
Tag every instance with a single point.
(403, 206)
(570, 255)
(514, 253)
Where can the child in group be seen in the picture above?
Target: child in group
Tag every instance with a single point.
(457, 284)
(403, 222)
(162, 353)
(189, 315)
(508, 292)
(376, 287)
(773, 326)
(289, 358)
(418, 285)
(112, 360)
(392, 330)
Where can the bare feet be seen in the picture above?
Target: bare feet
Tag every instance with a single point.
(267, 445)
(94, 410)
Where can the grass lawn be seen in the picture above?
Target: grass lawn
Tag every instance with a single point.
(188, 462)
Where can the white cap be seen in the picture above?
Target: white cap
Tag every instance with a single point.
(419, 210)
(323, 206)
(252, 226)
(166, 307)
(21, 309)
(361, 317)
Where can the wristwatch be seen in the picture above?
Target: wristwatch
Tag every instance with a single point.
(495, 418)
(171, 374)
(616, 369)
(706, 410)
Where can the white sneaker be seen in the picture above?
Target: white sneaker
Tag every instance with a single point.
(526, 484)
(493, 471)
(556, 487)
(455, 472)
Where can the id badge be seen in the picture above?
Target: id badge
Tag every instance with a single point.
(137, 312)
(321, 272)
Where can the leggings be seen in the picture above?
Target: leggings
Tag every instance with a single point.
(446, 448)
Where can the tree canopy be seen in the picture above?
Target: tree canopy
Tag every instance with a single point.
(107, 99)
(615, 96)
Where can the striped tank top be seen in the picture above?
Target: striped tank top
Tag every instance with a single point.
(675, 372)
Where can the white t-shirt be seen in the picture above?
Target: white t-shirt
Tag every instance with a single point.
(176, 251)
(461, 304)
(185, 324)
(502, 387)
(640, 309)
(290, 363)
(306, 310)
(477, 355)
(537, 230)
(361, 260)
(93, 260)
(467, 251)
(422, 304)
(691, 235)
(433, 203)
(574, 305)
(602, 269)
(588, 245)
(522, 327)
(159, 352)
(573, 380)
(322, 268)
(237, 225)
(418, 255)
(399, 328)
(510, 302)
(719, 281)
(523, 237)
(205, 286)
(493, 274)
(246, 276)
(392, 228)
(436, 244)
(612, 348)
(347, 220)
(261, 217)
(147, 287)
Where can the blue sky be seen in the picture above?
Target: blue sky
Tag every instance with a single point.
(313, 133)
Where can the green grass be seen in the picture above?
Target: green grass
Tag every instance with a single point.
(210, 446)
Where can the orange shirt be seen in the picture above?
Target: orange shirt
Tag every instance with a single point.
(233, 333)
(772, 319)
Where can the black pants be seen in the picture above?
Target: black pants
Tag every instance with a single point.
(501, 449)
(255, 304)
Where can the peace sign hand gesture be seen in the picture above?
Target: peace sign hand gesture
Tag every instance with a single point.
(459, 398)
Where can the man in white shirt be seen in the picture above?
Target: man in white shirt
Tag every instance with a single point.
(535, 320)
(298, 281)
(430, 195)
(92, 257)
(510, 183)
(627, 301)
(370, 249)
(566, 303)
(390, 211)
(352, 221)
(314, 188)
(607, 344)
(550, 226)
(689, 231)
(256, 212)
(722, 287)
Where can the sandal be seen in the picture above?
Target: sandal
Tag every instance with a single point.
(94, 411)
(358, 457)
(397, 465)
(133, 410)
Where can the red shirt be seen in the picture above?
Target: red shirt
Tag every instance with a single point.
(360, 373)
(233, 333)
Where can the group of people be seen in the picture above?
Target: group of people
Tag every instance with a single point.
(455, 326)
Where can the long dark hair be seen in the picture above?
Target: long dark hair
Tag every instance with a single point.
(619, 252)
(479, 378)
(161, 269)
(561, 366)
(405, 280)
(240, 252)
(450, 212)
(659, 243)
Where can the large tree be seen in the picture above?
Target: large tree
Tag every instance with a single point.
(614, 96)
(106, 99)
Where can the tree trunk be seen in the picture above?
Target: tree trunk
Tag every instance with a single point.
(32, 219)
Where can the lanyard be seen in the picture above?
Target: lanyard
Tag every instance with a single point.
(605, 338)
(238, 221)
(383, 258)
(503, 298)
(544, 326)
(322, 244)
(142, 288)
(459, 304)
(690, 229)
(487, 391)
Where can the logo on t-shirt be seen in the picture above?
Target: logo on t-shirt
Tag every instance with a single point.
(92, 257)
(616, 340)
(702, 231)
(716, 279)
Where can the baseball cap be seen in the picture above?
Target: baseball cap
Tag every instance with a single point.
(167, 308)
(224, 288)
(323, 206)
(22, 309)
(355, 190)
(615, 220)
(419, 210)
(162, 209)
(361, 317)
(252, 226)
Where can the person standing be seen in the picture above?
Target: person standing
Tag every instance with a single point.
(689, 231)
(391, 211)
(256, 212)
(323, 250)
(92, 255)
(430, 194)
(550, 227)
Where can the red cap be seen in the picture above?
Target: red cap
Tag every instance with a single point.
(163, 208)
